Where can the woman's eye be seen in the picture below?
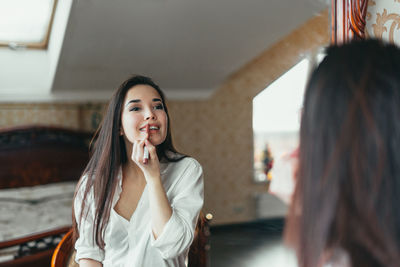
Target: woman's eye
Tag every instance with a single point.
(160, 106)
(134, 109)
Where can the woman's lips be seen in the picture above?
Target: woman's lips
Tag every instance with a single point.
(152, 128)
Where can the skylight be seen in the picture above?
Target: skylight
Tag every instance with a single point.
(26, 23)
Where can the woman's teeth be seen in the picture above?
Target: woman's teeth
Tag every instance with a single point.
(150, 128)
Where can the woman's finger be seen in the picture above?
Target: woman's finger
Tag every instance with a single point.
(137, 151)
(151, 148)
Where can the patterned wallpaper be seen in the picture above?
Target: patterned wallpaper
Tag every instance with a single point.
(85, 116)
(383, 20)
(217, 131)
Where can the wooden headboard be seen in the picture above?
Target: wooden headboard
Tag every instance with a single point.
(37, 155)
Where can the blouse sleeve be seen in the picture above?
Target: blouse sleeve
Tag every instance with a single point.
(85, 245)
(178, 233)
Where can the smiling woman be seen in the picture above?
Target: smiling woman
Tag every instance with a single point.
(128, 209)
(143, 107)
(26, 23)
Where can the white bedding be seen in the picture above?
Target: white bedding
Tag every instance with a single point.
(28, 210)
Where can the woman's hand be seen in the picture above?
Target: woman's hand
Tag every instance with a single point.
(151, 168)
(160, 207)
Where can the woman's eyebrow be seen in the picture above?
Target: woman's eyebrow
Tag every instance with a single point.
(138, 100)
(133, 101)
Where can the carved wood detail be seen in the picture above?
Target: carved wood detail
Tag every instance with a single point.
(348, 20)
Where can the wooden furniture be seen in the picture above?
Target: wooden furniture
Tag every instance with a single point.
(41, 155)
(31, 156)
(348, 20)
(32, 255)
(64, 254)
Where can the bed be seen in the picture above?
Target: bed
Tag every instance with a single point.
(39, 168)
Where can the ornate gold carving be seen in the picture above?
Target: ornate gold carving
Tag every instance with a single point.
(372, 2)
(381, 19)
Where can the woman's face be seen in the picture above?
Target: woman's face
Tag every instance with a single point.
(143, 106)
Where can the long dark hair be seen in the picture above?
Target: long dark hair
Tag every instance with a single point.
(109, 153)
(348, 186)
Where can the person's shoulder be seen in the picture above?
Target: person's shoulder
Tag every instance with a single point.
(186, 165)
(83, 180)
(81, 187)
(185, 172)
(189, 162)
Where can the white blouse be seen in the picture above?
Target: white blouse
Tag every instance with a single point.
(131, 243)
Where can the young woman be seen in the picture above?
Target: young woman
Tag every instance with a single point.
(131, 209)
(345, 208)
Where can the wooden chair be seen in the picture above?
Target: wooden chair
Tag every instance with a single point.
(64, 254)
(33, 250)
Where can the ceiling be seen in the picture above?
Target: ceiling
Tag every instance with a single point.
(188, 46)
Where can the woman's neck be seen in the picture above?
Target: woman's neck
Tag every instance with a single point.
(131, 172)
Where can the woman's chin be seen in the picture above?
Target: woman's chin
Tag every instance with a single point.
(156, 141)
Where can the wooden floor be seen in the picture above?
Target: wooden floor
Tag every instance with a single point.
(257, 244)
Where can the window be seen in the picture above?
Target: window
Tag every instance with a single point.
(276, 119)
(26, 23)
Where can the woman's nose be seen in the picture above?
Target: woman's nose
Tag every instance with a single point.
(150, 115)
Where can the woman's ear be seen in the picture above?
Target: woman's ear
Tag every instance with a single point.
(121, 132)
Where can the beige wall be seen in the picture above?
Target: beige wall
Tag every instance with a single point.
(69, 115)
(216, 131)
